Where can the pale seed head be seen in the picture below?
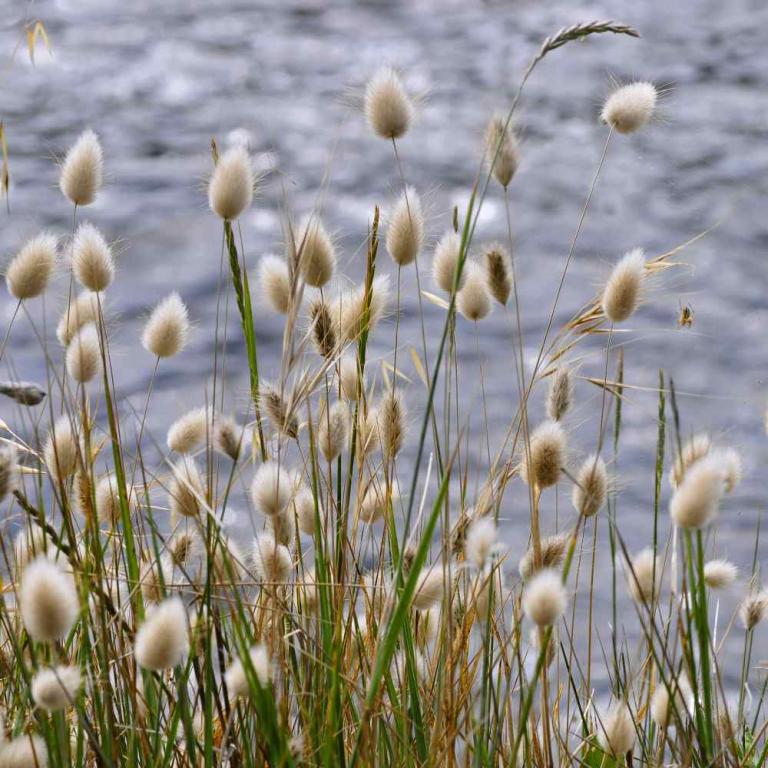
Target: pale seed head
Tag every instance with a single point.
(83, 356)
(630, 107)
(230, 189)
(405, 229)
(82, 170)
(31, 269)
(166, 331)
(162, 641)
(92, 261)
(275, 282)
(388, 108)
(622, 291)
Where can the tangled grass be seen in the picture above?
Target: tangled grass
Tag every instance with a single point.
(376, 619)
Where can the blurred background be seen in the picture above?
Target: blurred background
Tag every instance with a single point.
(159, 80)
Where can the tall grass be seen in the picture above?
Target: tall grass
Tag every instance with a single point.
(377, 620)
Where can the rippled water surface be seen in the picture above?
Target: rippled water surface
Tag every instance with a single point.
(158, 80)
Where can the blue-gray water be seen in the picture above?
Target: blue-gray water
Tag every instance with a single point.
(158, 80)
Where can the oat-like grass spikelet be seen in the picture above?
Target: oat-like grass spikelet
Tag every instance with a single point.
(271, 489)
(474, 298)
(84, 309)
(333, 430)
(231, 186)
(189, 431)
(24, 751)
(280, 413)
(720, 574)
(430, 587)
(236, 678)
(617, 731)
(498, 272)
(166, 331)
(560, 393)
(9, 470)
(82, 171)
(480, 541)
(696, 501)
(502, 150)
(445, 261)
(644, 576)
(552, 555)
(547, 451)
(185, 489)
(92, 261)
(275, 282)
(545, 598)
(55, 688)
(31, 269)
(591, 489)
(391, 424)
(272, 561)
(630, 107)
(388, 108)
(48, 600)
(352, 314)
(405, 228)
(622, 291)
(316, 251)
(228, 436)
(162, 641)
(83, 358)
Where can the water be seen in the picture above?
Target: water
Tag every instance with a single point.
(159, 80)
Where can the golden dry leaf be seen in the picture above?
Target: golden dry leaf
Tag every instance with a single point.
(437, 300)
(34, 32)
(418, 366)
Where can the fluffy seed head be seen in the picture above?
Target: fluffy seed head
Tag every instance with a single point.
(617, 732)
(720, 574)
(591, 489)
(185, 489)
(430, 588)
(367, 431)
(317, 255)
(333, 429)
(622, 291)
(560, 394)
(156, 577)
(272, 562)
(54, 689)
(630, 107)
(108, 500)
(166, 331)
(83, 169)
(480, 541)
(271, 489)
(445, 261)
(348, 378)
(405, 230)
(24, 752)
(352, 314)
(228, 437)
(304, 506)
(391, 424)
(502, 150)
(83, 356)
(236, 677)
(230, 189)
(552, 554)
(498, 272)
(189, 431)
(323, 330)
(279, 412)
(695, 502)
(48, 600)
(693, 449)
(92, 261)
(375, 503)
(661, 711)
(162, 641)
(275, 282)
(388, 108)
(753, 609)
(545, 598)
(730, 460)
(31, 269)
(9, 470)
(487, 587)
(547, 455)
(474, 299)
(84, 309)
(283, 527)
(644, 577)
